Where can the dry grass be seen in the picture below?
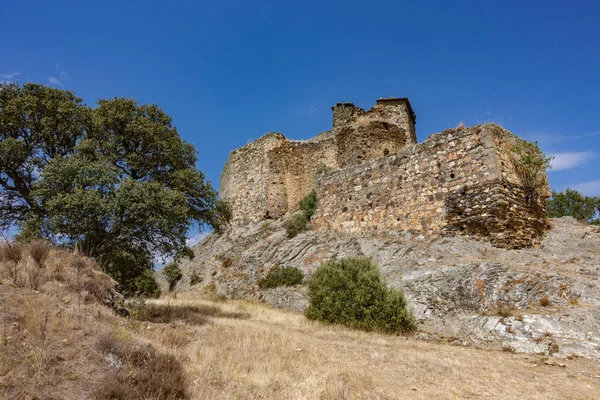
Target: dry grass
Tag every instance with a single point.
(544, 301)
(45, 347)
(169, 311)
(11, 252)
(11, 255)
(276, 354)
(48, 339)
(39, 251)
(139, 372)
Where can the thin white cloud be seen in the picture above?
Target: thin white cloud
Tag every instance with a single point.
(9, 75)
(570, 160)
(55, 81)
(308, 110)
(591, 188)
(64, 76)
(194, 240)
(551, 138)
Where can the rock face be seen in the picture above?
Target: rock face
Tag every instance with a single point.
(540, 300)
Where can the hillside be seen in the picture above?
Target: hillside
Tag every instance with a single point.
(539, 300)
(64, 340)
(63, 335)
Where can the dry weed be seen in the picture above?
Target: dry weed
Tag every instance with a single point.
(39, 250)
(544, 301)
(36, 276)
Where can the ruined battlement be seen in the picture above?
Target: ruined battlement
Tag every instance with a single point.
(370, 175)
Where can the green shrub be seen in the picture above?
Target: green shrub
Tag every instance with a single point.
(309, 204)
(281, 276)
(299, 222)
(530, 164)
(146, 285)
(352, 292)
(172, 274)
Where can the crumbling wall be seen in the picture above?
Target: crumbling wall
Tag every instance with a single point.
(449, 183)
(345, 114)
(369, 141)
(245, 179)
(295, 164)
(371, 176)
(396, 111)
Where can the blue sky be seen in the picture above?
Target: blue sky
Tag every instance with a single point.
(229, 71)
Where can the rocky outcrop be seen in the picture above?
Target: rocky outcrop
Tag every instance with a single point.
(540, 300)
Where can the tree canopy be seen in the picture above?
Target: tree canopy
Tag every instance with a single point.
(574, 204)
(115, 181)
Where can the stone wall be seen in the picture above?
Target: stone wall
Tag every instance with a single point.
(267, 178)
(449, 183)
(371, 176)
(244, 180)
(293, 167)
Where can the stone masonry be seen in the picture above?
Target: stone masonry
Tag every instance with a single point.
(268, 177)
(372, 177)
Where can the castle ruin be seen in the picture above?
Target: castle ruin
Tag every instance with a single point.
(371, 175)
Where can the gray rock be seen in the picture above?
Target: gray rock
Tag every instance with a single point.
(457, 287)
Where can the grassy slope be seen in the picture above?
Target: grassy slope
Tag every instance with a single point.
(61, 342)
(244, 350)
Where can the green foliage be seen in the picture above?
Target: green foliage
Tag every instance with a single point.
(281, 276)
(173, 274)
(116, 181)
(188, 253)
(352, 292)
(574, 204)
(530, 163)
(146, 285)
(221, 216)
(37, 123)
(309, 204)
(293, 226)
(299, 222)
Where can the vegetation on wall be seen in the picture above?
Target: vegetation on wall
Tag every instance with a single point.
(530, 164)
(572, 203)
(299, 222)
(281, 276)
(115, 181)
(352, 292)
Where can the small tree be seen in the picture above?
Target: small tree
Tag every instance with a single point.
(573, 203)
(352, 292)
(172, 274)
(146, 285)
